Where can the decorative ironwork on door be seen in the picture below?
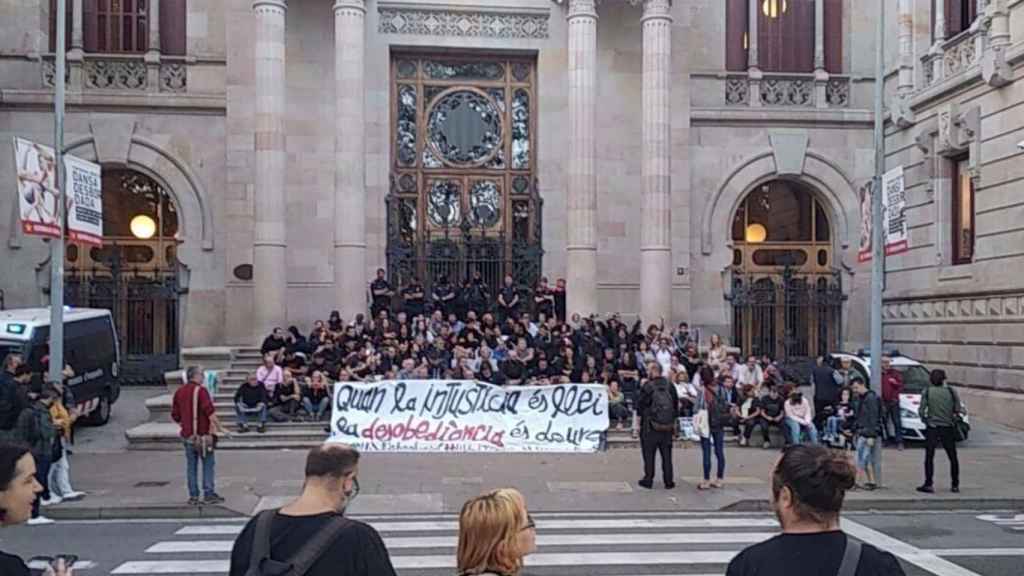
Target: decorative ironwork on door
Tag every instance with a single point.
(787, 316)
(463, 195)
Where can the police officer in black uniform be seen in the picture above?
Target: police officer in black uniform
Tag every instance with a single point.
(508, 300)
(476, 295)
(443, 296)
(413, 295)
(381, 293)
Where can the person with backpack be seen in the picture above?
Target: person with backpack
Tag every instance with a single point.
(658, 407)
(714, 412)
(35, 429)
(940, 410)
(311, 536)
(809, 485)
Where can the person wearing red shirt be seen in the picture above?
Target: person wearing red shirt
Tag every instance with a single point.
(206, 424)
(892, 386)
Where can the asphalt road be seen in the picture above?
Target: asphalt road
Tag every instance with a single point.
(606, 544)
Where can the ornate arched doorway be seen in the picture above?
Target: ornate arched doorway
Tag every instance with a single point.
(786, 291)
(134, 274)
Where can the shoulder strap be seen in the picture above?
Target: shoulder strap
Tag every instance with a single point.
(195, 411)
(304, 559)
(261, 541)
(851, 558)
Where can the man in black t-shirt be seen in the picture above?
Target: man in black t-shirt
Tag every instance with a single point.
(414, 298)
(331, 485)
(808, 487)
(508, 300)
(381, 292)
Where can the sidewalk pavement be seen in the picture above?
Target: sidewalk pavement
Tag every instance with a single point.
(143, 484)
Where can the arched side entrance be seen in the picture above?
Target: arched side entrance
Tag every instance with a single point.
(786, 285)
(135, 273)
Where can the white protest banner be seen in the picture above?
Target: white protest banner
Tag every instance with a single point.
(894, 224)
(35, 168)
(84, 200)
(468, 416)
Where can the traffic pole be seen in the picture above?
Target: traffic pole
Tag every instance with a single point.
(877, 235)
(57, 244)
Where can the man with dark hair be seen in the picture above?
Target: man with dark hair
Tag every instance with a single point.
(658, 407)
(808, 487)
(414, 298)
(381, 293)
(311, 535)
(10, 405)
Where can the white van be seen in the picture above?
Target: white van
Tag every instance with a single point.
(90, 348)
(915, 379)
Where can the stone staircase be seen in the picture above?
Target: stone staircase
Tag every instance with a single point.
(161, 433)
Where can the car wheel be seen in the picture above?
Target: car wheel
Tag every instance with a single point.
(101, 415)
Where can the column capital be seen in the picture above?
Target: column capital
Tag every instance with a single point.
(580, 8)
(359, 5)
(281, 5)
(661, 9)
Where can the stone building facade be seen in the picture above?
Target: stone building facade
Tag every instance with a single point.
(641, 146)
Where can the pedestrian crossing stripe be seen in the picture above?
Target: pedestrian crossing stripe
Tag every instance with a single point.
(543, 540)
(593, 524)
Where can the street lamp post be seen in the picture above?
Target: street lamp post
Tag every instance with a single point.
(877, 234)
(57, 244)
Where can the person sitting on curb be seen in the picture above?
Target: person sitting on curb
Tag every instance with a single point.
(251, 398)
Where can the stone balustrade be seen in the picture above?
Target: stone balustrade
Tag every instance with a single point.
(787, 90)
(120, 72)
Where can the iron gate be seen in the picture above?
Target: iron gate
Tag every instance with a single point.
(457, 252)
(787, 316)
(144, 304)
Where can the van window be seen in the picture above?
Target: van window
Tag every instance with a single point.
(8, 347)
(88, 344)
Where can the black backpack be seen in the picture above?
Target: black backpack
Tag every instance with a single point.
(662, 413)
(260, 562)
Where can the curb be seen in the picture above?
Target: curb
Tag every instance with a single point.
(893, 504)
(175, 512)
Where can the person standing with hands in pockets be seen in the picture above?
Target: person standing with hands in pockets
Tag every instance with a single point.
(868, 429)
(940, 409)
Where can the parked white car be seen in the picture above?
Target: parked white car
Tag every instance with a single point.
(915, 379)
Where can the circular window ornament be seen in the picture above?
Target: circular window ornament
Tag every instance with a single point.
(464, 127)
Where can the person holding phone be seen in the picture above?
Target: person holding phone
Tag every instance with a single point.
(19, 488)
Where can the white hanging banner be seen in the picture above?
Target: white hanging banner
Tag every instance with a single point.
(35, 167)
(468, 416)
(894, 223)
(85, 201)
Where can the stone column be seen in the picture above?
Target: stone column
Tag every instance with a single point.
(906, 36)
(581, 274)
(270, 273)
(77, 52)
(900, 109)
(995, 70)
(349, 157)
(819, 35)
(152, 57)
(939, 36)
(753, 69)
(656, 236)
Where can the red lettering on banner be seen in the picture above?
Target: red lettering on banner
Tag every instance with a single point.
(419, 429)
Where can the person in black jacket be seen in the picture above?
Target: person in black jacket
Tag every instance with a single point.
(10, 405)
(868, 428)
(653, 436)
(251, 398)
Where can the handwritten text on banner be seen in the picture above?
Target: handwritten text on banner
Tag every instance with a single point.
(468, 416)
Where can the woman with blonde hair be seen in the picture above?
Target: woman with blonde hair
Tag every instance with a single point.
(716, 351)
(495, 533)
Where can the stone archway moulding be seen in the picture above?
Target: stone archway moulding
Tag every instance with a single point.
(818, 171)
(183, 185)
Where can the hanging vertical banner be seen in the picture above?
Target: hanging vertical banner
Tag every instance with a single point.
(35, 168)
(896, 238)
(894, 223)
(864, 251)
(84, 201)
